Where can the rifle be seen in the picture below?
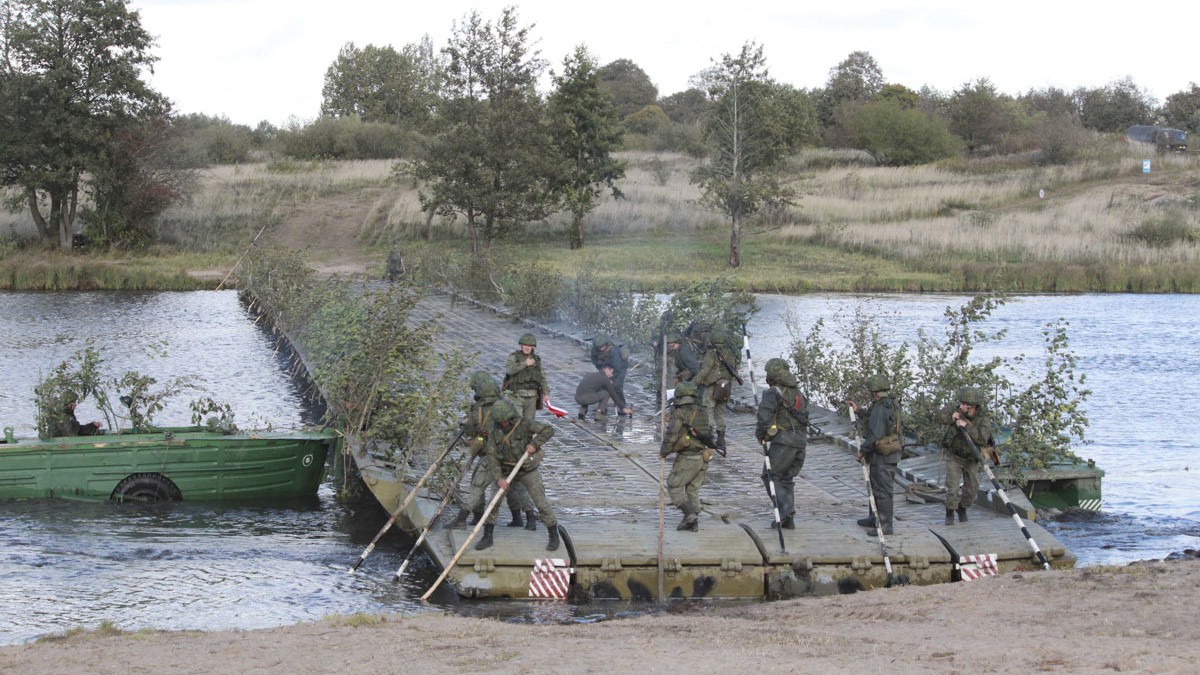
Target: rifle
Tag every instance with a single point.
(705, 439)
(728, 367)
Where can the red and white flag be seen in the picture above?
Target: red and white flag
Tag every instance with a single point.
(551, 577)
(973, 567)
(558, 412)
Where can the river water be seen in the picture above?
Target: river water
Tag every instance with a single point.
(193, 566)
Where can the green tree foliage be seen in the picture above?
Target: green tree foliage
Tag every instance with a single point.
(1182, 109)
(208, 140)
(346, 138)
(492, 160)
(857, 78)
(902, 95)
(1051, 101)
(380, 84)
(1059, 139)
(799, 117)
(1115, 107)
(980, 115)
(747, 130)
(72, 78)
(647, 120)
(895, 134)
(586, 132)
(685, 107)
(629, 85)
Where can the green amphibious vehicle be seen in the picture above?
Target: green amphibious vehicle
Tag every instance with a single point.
(193, 463)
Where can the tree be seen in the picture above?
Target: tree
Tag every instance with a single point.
(379, 84)
(629, 85)
(685, 107)
(1115, 107)
(902, 95)
(647, 120)
(799, 116)
(71, 74)
(1181, 108)
(746, 127)
(857, 78)
(980, 115)
(1052, 101)
(492, 160)
(897, 135)
(586, 133)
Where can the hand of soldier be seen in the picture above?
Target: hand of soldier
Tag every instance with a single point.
(959, 421)
(98, 425)
(530, 449)
(530, 361)
(627, 411)
(859, 458)
(503, 484)
(852, 405)
(955, 416)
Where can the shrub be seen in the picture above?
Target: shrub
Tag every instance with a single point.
(1164, 231)
(347, 138)
(531, 289)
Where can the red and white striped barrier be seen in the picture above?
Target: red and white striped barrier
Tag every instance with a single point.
(973, 567)
(550, 578)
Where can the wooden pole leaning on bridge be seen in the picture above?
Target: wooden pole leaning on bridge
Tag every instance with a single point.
(478, 526)
(433, 519)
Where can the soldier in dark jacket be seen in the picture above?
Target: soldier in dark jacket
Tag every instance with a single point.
(687, 427)
(597, 389)
(962, 467)
(782, 422)
(475, 433)
(524, 377)
(687, 362)
(68, 425)
(608, 352)
(880, 421)
(712, 370)
(509, 436)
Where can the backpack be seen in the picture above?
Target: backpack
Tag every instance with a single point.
(891, 443)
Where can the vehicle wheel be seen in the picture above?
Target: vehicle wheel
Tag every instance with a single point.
(146, 487)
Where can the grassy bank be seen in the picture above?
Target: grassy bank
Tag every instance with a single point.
(44, 271)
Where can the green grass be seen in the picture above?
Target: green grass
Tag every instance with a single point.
(47, 271)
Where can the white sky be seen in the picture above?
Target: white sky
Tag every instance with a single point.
(266, 59)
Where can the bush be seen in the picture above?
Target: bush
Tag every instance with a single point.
(899, 136)
(1164, 231)
(531, 289)
(347, 138)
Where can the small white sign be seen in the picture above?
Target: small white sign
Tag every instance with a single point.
(1042, 193)
(1145, 166)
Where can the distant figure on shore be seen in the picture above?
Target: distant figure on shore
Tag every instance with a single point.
(689, 436)
(524, 377)
(880, 449)
(598, 389)
(962, 466)
(68, 425)
(782, 422)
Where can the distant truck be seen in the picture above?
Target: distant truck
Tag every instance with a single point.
(1165, 139)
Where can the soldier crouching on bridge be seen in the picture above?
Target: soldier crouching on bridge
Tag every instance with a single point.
(509, 435)
(487, 392)
(598, 389)
(690, 437)
(782, 422)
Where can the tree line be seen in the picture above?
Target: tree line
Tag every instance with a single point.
(82, 136)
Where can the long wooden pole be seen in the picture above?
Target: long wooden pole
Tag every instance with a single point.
(662, 468)
(408, 499)
(478, 526)
(433, 519)
(1004, 498)
(887, 562)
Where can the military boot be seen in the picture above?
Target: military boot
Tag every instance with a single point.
(688, 517)
(869, 521)
(601, 415)
(949, 517)
(962, 514)
(461, 518)
(516, 520)
(486, 540)
(552, 545)
(531, 521)
(476, 517)
(583, 412)
(789, 523)
(874, 532)
(721, 439)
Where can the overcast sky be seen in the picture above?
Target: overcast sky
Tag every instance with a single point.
(255, 60)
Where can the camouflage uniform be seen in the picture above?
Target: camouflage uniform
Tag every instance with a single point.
(962, 467)
(692, 456)
(476, 431)
(527, 383)
(782, 421)
(880, 421)
(711, 370)
(67, 424)
(508, 436)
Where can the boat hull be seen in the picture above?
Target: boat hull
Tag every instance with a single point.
(200, 465)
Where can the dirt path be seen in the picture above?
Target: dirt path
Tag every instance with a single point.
(1139, 618)
(328, 228)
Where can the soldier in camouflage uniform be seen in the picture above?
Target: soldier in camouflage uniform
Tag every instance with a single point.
(509, 436)
(607, 352)
(524, 377)
(711, 371)
(880, 421)
(67, 424)
(962, 467)
(782, 421)
(475, 431)
(687, 427)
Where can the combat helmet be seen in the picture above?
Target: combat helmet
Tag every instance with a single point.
(478, 378)
(487, 389)
(69, 396)
(685, 389)
(674, 336)
(528, 339)
(971, 396)
(504, 411)
(719, 336)
(878, 383)
(775, 365)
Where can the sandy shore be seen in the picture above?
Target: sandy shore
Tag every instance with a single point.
(1138, 618)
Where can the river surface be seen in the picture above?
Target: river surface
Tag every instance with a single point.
(181, 566)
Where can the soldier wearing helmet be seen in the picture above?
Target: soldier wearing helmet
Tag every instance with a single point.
(609, 353)
(689, 436)
(475, 433)
(962, 465)
(714, 376)
(510, 435)
(782, 422)
(687, 362)
(67, 424)
(880, 449)
(524, 377)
